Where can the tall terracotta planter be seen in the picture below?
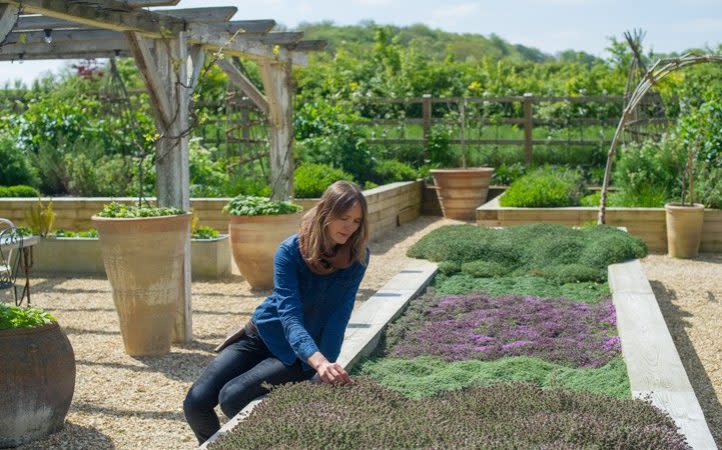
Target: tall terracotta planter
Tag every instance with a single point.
(37, 380)
(684, 229)
(461, 191)
(254, 241)
(143, 259)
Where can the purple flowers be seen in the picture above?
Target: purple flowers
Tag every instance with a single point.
(479, 326)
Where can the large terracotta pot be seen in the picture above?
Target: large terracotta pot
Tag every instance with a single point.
(684, 229)
(143, 259)
(254, 241)
(37, 380)
(461, 191)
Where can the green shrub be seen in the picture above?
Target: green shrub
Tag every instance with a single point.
(208, 177)
(19, 191)
(16, 168)
(119, 210)
(484, 269)
(311, 180)
(205, 232)
(240, 184)
(647, 172)
(449, 267)
(245, 205)
(15, 317)
(392, 170)
(545, 187)
(708, 186)
(508, 173)
(570, 273)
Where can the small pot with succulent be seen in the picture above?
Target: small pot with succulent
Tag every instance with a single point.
(37, 375)
(143, 252)
(258, 225)
(685, 219)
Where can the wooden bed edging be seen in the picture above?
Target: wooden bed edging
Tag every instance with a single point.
(366, 324)
(655, 370)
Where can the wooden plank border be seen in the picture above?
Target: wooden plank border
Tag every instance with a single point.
(655, 370)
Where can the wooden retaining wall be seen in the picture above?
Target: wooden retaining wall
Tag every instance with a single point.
(646, 223)
(389, 206)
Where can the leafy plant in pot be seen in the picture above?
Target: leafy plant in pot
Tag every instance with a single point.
(257, 226)
(143, 251)
(37, 375)
(460, 190)
(685, 219)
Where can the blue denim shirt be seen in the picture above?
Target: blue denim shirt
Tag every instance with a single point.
(306, 312)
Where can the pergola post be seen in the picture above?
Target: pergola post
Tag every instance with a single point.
(8, 17)
(163, 65)
(278, 84)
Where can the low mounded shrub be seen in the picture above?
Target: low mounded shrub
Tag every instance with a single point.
(545, 187)
(16, 317)
(513, 415)
(557, 252)
(392, 170)
(311, 180)
(18, 191)
(247, 205)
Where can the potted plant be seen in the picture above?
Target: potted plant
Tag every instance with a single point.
(258, 225)
(460, 190)
(143, 252)
(684, 220)
(37, 375)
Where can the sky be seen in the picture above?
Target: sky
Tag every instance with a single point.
(550, 25)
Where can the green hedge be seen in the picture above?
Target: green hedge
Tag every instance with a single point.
(311, 180)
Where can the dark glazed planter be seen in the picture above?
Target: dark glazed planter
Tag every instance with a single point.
(37, 380)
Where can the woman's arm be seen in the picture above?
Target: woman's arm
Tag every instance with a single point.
(285, 279)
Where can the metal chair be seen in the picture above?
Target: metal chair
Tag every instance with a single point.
(11, 244)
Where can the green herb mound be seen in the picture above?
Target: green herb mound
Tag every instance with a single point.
(557, 253)
(121, 211)
(248, 205)
(506, 415)
(205, 232)
(15, 317)
(545, 187)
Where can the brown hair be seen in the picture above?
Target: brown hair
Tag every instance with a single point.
(335, 201)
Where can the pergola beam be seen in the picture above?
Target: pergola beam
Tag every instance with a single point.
(203, 15)
(239, 79)
(8, 17)
(109, 14)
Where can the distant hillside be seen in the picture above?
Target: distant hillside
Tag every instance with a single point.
(436, 44)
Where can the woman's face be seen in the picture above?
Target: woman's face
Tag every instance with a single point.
(342, 227)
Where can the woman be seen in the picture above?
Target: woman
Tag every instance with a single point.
(298, 330)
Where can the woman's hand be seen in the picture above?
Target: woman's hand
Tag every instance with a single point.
(328, 372)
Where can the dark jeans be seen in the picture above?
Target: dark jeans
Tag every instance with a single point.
(233, 379)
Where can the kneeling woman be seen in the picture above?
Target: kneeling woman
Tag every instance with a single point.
(298, 330)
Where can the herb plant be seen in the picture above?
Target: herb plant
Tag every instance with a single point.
(16, 317)
(119, 210)
(246, 205)
(205, 232)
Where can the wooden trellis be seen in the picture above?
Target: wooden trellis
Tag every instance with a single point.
(169, 47)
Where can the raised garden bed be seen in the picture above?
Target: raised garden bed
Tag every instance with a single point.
(646, 223)
(562, 393)
(210, 258)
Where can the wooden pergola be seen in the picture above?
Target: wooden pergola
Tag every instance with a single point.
(169, 47)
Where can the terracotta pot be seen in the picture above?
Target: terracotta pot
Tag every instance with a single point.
(461, 191)
(254, 241)
(37, 380)
(684, 229)
(143, 259)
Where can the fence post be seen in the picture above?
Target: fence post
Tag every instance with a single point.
(528, 124)
(426, 117)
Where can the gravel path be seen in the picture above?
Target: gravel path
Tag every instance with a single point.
(689, 293)
(122, 402)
